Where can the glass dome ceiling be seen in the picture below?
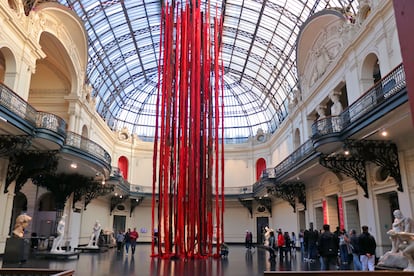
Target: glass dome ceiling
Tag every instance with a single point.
(258, 52)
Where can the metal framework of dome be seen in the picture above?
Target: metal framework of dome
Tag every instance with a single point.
(258, 53)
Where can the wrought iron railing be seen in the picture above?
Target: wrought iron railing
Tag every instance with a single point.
(122, 183)
(17, 105)
(144, 189)
(292, 160)
(382, 91)
(10, 100)
(50, 121)
(268, 173)
(78, 141)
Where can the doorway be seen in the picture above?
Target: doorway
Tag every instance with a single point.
(332, 211)
(261, 223)
(386, 204)
(318, 218)
(119, 224)
(302, 220)
(352, 215)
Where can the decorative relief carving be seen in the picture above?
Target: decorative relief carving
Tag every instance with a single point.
(294, 99)
(326, 49)
(364, 11)
(36, 23)
(124, 134)
(261, 136)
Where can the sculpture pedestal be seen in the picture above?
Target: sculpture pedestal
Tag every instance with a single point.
(16, 250)
(393, 260)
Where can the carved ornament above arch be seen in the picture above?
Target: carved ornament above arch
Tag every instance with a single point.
(318, 44)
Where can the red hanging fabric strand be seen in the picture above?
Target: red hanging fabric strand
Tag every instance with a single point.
(188, 131)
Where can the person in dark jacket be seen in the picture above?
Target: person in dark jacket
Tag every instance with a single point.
(353, 241)
(328, 249)
(367, 246)
(127, 240)
(310, 241)
(272, 245)
(248, 239)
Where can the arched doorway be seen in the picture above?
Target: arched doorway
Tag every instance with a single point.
(123, 166)
(370, 71)
(260, 167)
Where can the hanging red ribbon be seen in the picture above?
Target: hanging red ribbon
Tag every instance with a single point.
(186, 146)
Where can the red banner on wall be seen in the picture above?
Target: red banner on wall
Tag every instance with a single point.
(325, 212)
(341, 213)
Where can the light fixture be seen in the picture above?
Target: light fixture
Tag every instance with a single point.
(103, 182)
(73, 165)
(346, 149)
(384, 133)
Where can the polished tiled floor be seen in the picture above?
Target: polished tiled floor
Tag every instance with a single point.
(240, 262)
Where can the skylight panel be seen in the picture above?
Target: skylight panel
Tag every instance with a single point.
(123, 72)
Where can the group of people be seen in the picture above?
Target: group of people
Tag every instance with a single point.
(280, 243)
(127, 239)
(350, 247)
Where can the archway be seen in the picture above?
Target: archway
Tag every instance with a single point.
(260, 167)
(123, 166)
(370, 71)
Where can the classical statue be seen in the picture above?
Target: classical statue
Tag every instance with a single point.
(400, 224)
(408, 251)
(267, 234)
(57, 242)
(93, 242)
(402, 241)
(336, 108)
(320, 109)
(22, 221)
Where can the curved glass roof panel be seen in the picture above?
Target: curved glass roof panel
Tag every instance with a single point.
(258, 53)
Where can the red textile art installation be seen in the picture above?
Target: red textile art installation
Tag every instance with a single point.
(188, 157)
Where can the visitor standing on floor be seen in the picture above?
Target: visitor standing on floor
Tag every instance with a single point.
(354, 243)
(302, 243)
(120, 238)
(293, 242)
(248, 239)
(328, 249)
(133, 236)
(127, 240)
(272, 245)
(311, 237)
(344, 249)
(367, 246)
(280, 243)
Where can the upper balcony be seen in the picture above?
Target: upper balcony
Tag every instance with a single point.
(386, 95)
(24, 129)
(330, 133)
